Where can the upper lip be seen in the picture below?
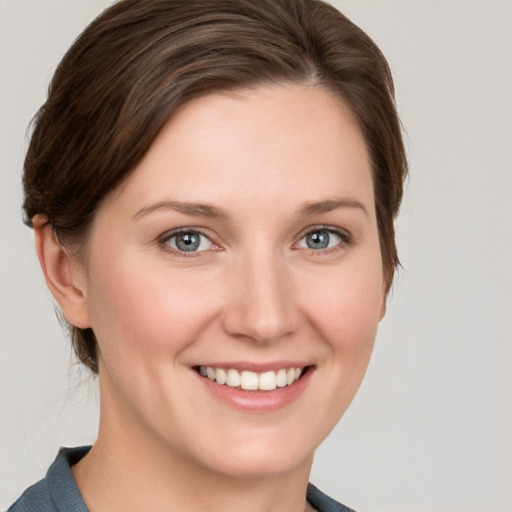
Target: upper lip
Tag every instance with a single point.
(257, 367)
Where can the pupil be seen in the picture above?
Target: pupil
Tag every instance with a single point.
(187, 242)
(318, 240)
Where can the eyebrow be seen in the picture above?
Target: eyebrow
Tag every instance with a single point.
(328, 205)
(191, 209)
(205, 210)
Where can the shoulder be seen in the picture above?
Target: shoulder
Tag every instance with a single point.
(322, 503)
(36, 498)
(57, 491)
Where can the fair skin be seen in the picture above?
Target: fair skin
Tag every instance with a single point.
(279, 267)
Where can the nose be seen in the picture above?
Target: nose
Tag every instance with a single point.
(260, 305)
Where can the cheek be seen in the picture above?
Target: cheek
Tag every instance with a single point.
(345, 310)
(348, 306)
(146, 312)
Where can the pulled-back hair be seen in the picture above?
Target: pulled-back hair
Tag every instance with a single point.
(140, 60)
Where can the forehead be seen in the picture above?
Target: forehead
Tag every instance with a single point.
(273, 142)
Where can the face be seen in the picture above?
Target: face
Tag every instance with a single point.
(235, 283)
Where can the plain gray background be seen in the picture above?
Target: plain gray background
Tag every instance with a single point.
(431, 428)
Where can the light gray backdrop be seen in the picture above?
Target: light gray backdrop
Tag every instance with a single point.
(431, 429)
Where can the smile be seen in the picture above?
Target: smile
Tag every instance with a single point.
(252, 381)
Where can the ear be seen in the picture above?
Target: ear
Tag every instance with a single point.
(383, 305)
(386, 285)
(64, 275)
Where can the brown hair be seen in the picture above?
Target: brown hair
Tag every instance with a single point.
(140, 60)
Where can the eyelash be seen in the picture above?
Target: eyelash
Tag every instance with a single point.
(164, 242)
(346, 240)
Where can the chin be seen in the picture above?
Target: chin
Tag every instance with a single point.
(259, 455)
(260, 465)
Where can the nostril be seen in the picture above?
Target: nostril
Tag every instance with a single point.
(262, 308)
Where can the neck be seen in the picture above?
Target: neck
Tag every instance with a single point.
(128, 470)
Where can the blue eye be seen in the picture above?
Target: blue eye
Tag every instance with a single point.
(320, 239)
(189, 241)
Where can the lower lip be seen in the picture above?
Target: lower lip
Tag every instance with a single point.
(258, 401)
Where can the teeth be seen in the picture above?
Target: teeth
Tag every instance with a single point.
(281, 378)
(267, 381)
(249, 381)
(233, 380)
(252, 381)
(220, 376)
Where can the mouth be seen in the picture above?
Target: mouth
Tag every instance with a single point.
(248, 380)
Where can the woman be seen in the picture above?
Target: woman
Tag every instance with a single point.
(212, 186)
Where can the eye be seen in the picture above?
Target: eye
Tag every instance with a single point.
(322, 238)
(188, 241)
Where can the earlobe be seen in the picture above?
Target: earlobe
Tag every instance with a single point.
(64, 277)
